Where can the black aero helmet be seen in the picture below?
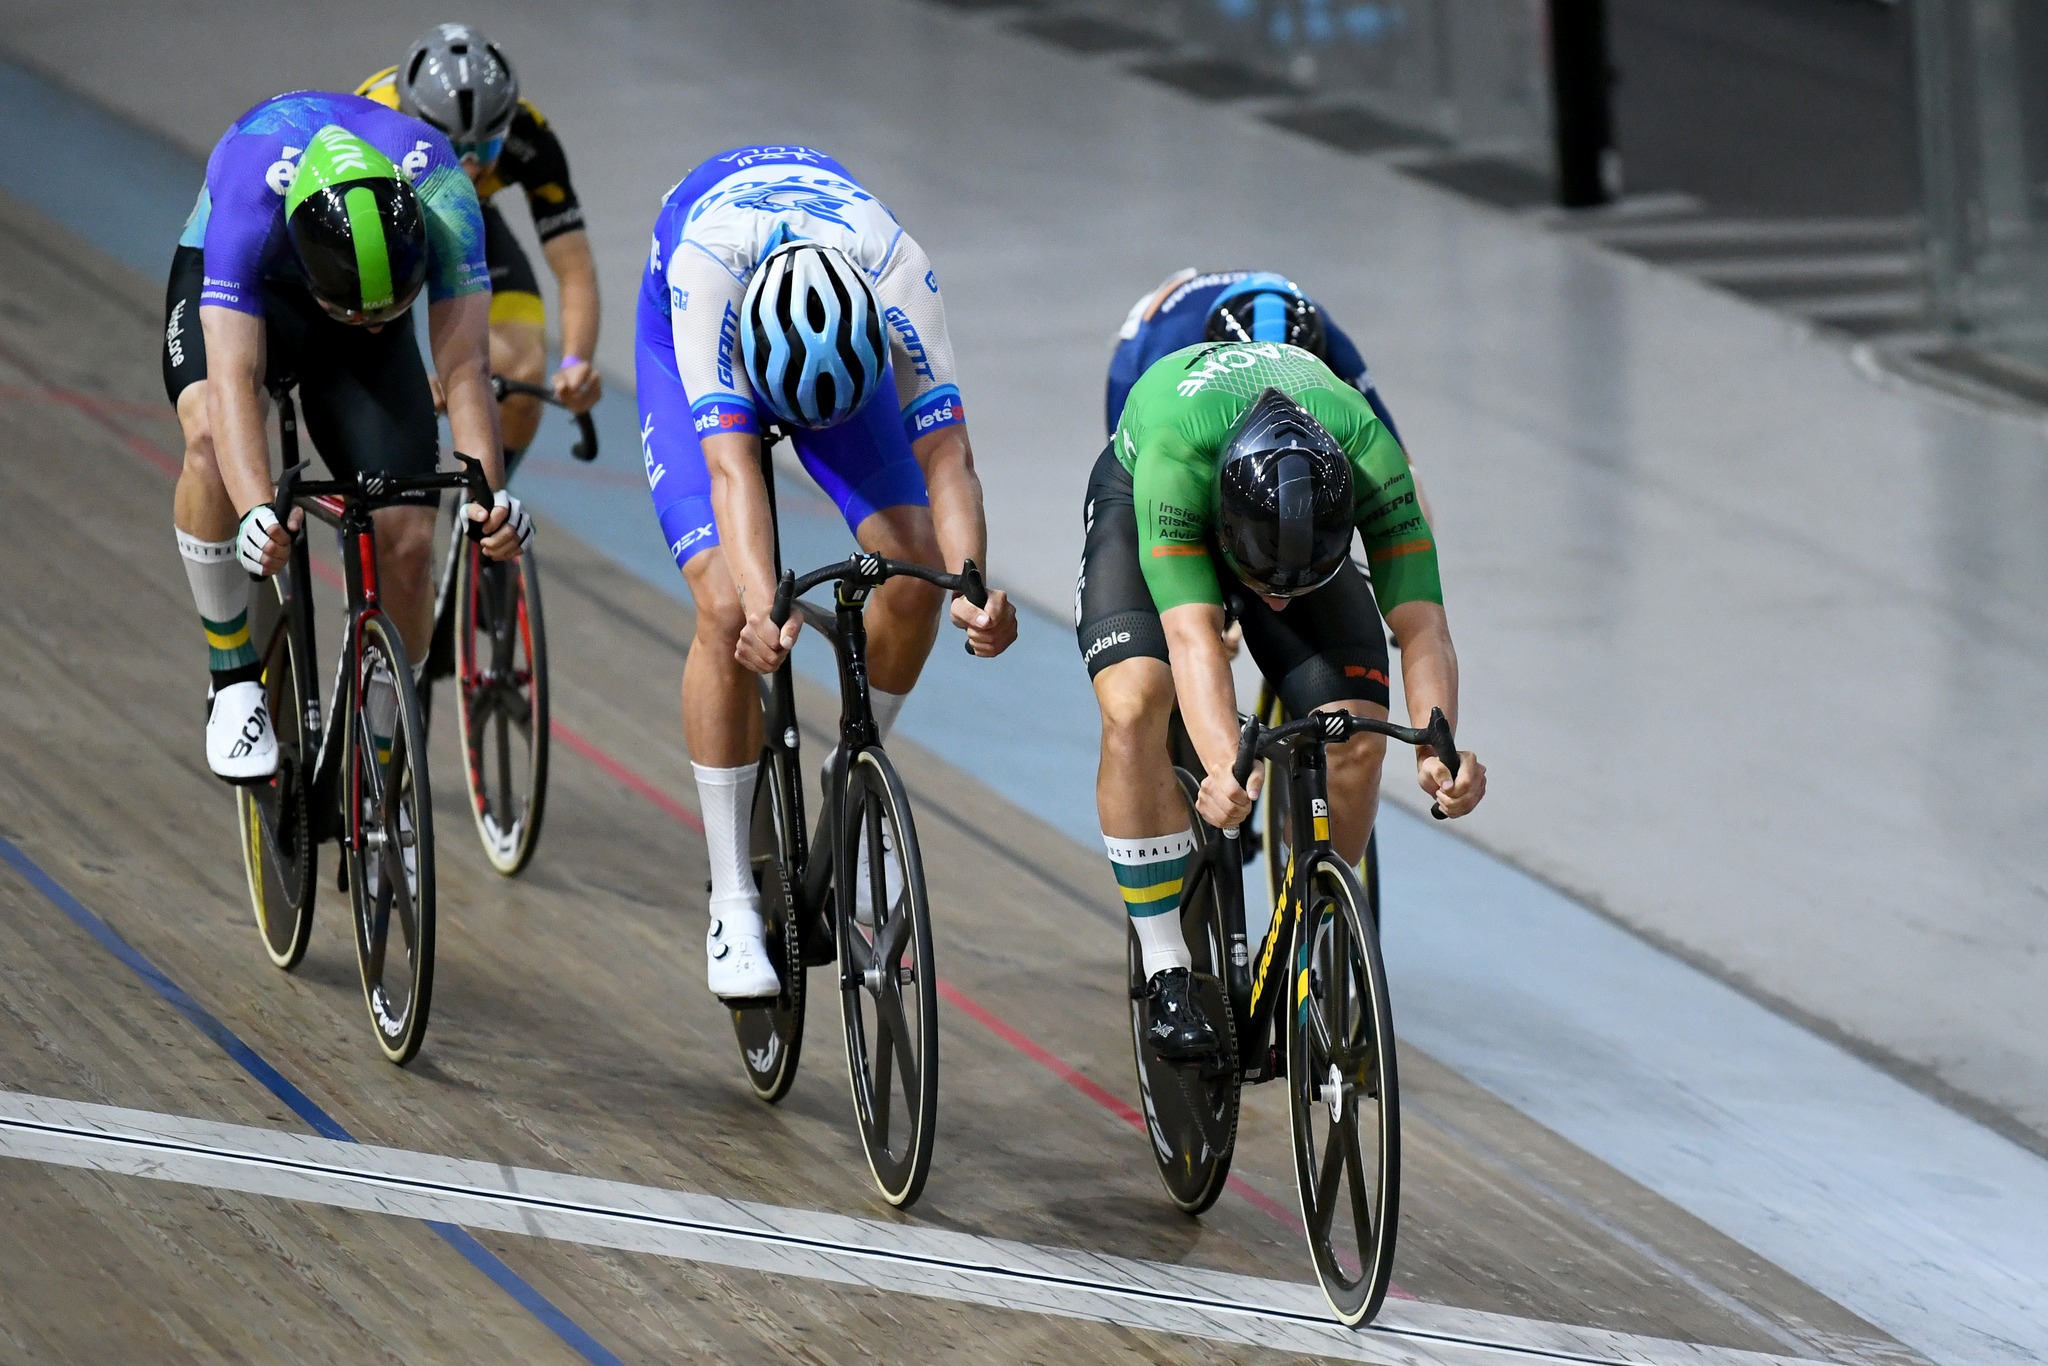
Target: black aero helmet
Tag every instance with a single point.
(357, 228)
(1268, 313)
(1283, 498)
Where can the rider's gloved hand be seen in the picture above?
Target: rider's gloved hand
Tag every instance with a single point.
(992, 628)
(1454, 796)
(508, 527)
(262, 545)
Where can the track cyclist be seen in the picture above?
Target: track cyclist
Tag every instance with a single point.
(1232, 305)
(1233, 483)
(321, 219)
(778, 290)
(460, 82)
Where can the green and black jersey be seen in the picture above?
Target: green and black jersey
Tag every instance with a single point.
(1172, 431)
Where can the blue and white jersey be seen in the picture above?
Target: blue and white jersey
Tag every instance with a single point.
(1175, 315)
(715, 227)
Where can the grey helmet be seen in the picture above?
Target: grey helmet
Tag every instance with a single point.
(458, 80)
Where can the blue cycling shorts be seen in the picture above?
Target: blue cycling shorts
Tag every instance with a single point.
(864, 464)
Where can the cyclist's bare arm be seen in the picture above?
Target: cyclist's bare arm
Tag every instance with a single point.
(575, 271)
(459, 334)
(238, 414)
(947, 458)
(746, 536)
(1208, 706)
(1429, 675)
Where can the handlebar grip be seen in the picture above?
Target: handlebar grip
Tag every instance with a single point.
(281, 502)
(785, 598)
(973, 587)
(586, 448)
(478, 486)
(1247, 751)
(1445, 749)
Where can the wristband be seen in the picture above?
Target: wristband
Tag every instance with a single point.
(568, 361)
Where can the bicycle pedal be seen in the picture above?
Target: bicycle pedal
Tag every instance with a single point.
(905, 974)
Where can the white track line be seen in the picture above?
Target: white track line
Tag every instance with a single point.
(794, 1242)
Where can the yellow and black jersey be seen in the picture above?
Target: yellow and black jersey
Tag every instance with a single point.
(533, 160)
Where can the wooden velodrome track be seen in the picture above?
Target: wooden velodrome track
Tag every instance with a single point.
(571, 1031)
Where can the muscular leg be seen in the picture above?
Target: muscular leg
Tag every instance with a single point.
(721, 709)
(405, 548)
(519, 351)
(903, 615)
(1135, 793)
(201, 506)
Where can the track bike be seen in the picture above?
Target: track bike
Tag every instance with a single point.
(360, 778)
(1317, 974)
(888, 984)
(490, 636)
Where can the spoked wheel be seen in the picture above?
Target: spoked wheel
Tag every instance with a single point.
(1343, 1101)
(771, 1033)
(888, 987)
(1190, 1107)
(390, 842)
(501, 695)
(276, 817)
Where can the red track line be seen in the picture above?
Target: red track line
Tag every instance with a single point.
(954, 997)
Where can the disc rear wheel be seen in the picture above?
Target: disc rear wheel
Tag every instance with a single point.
(1343, 1096)
(278, 852)
(888, 993)
(390, 842)
(771, 1033)
(1190, 1108)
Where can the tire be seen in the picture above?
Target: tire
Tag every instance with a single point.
(1343, 1097)
(771, 1034)
(388, 811)
(892, 1035)
(278, 852)
(1190, 1108)
(501, 700)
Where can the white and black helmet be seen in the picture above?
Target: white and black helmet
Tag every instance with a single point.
(811, 335)
(458, 80)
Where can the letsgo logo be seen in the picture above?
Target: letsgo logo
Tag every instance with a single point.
(941, 408)
(716, 416)
(728, 338)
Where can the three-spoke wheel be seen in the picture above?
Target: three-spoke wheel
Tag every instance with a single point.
(501, 696)
(278, 851)
(888, 987)
(1190, 1107)
(1343, 1100)
(389, 842)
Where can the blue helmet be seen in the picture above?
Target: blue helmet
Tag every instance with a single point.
(811, 335)
(1267, 308)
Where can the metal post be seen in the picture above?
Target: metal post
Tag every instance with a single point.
(1581, 92)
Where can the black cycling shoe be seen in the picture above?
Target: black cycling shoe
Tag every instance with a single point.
(1174, 1025)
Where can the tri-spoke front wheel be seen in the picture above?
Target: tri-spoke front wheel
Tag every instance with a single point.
(278, 852)
(1343, 1099)
(390, 840)
(501, 696)
(771, 1032)
(888, 993)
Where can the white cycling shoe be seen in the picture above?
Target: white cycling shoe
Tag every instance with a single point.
(737, 949)
(241, 746)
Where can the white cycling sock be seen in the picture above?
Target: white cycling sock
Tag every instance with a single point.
(885, 706)
(1149, 872)
(220, 590)
(727, 796)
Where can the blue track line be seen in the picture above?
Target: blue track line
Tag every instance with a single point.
(303, 1105)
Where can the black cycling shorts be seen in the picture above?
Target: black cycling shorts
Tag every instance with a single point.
(364, 394)
(515, 289)
(1328, 646)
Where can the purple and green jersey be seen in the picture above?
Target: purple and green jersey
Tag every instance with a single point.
(239, 220)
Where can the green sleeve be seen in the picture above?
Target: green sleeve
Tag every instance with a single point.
(1170, 486)
(1399, 548)
(455, 234)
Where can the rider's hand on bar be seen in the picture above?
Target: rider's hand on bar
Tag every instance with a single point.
(991, 629)
(1454, 796)
(763, 645)
(1223, 803)
(503, 537)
